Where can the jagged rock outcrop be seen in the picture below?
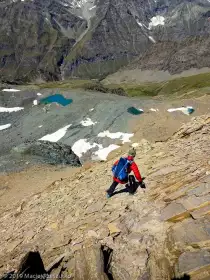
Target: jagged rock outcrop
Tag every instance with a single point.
(49, 152)
(30, 267)
(89, 262)
(56, 39)
(161, 232)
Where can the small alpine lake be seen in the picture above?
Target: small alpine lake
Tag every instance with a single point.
(56, 98)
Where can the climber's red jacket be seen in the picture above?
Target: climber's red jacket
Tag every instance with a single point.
(133, 167)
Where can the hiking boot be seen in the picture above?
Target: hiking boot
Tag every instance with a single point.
(108, 195)
(132, 193)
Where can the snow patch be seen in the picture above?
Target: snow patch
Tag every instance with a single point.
(10, 90)
(5, 126)
(142, 24)
(124, 137)
(39, 94)
(139, 23)
(155, 21)
(185, 110)
(80, 3)
(135, 145)
(35, 102)
(154, 110)
(91, 110)
(56, 136)
(87, 122)
(10, 110)
(82, 146)
(91, 8)
(85, 8)
(103, 153)
(40, 126)
(151, 39)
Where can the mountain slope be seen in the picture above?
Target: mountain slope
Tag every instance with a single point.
(56, 39)
(158, 233)
(35, 36)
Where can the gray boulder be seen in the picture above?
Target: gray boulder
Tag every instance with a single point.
(49, 152)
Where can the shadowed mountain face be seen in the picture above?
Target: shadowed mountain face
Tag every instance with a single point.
(56, 39)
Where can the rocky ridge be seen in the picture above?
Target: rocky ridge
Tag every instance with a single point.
(159, 233)
(48, 152)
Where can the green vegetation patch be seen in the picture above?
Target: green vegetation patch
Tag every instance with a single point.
(177, 87)
(88, 85)
(196, 85)
(67, 84)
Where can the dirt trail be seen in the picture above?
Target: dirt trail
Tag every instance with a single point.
(145, 231)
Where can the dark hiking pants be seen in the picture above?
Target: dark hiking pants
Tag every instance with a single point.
(132, 185)
(112, 188)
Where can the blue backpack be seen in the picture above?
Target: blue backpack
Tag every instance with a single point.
(120, 171)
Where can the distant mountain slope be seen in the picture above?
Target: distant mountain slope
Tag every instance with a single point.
(57, 39)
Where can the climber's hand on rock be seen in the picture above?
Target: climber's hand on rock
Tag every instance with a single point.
(142, 185)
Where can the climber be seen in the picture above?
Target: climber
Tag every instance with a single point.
(121, 169)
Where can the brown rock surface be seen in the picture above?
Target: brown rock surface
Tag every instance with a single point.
(113, 229)
(193, 202)
(202, 189)
(201, 212)
(174, 212)
(89, 263)
(64, 217)
(190, 233)
(196, 264)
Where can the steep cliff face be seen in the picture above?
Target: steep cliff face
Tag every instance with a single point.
(157, 30)
(35, 37)
(55, 39)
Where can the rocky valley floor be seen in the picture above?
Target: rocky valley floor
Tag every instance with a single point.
(158, 233)
(93, 124)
